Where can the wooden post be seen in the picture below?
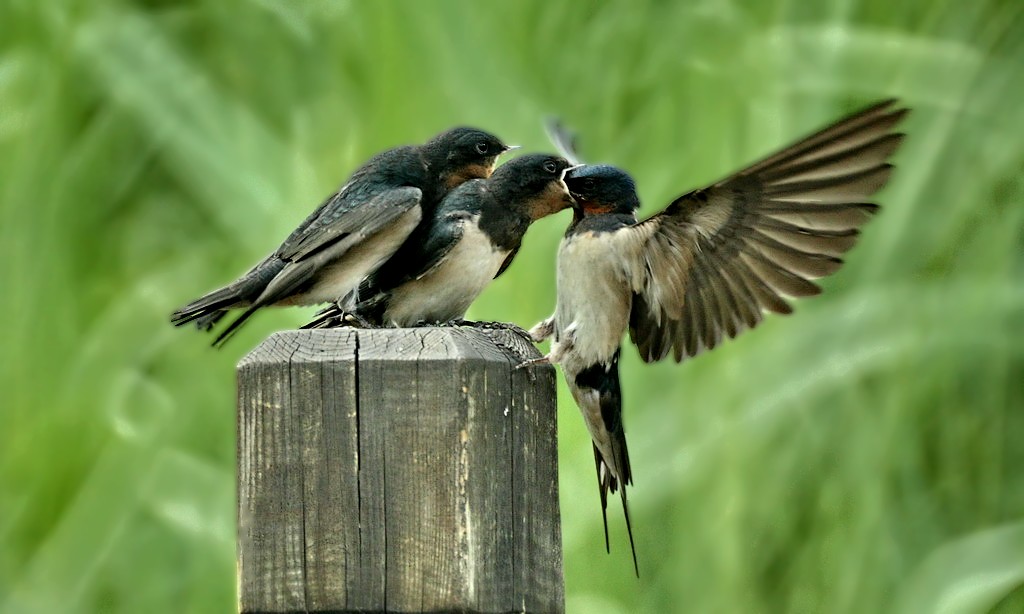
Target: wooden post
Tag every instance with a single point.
(400, 470)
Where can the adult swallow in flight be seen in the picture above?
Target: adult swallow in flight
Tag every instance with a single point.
(355, 230)
(443, 266)
(706, 267)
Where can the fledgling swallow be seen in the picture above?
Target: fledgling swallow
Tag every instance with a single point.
(475, 233)
(706, 267)
(355, 230)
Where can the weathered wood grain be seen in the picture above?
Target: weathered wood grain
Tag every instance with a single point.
(408, 470)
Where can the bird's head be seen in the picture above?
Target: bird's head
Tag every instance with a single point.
(534, 182)
(600, 188)
(461, 154)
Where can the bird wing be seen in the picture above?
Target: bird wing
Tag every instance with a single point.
(426, 249)
(348, 229)
(507, 262)
(715, 259)
(355, 209)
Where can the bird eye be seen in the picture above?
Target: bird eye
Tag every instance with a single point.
(550, 167)
(481, 147)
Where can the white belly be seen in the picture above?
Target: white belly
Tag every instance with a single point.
(594, 300)
(446, 292)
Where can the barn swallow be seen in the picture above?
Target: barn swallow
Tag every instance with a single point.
(704, 268)
(355, 230)
(475, 233)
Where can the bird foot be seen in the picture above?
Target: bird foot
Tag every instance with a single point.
(515, 328)
(543, 330)
(486, 326)
(454, 323)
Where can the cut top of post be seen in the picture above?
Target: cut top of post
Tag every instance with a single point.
(397, 470)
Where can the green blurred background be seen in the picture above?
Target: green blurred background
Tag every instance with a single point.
(862, 455)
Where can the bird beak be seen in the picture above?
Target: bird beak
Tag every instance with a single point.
(511, 147)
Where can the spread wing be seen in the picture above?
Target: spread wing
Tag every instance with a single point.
(711, 263)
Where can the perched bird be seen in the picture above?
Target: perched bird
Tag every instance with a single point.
(355, 230)
(706, 267)
(473, 237)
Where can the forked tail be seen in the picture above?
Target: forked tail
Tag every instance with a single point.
(599, 384)
(206, 311)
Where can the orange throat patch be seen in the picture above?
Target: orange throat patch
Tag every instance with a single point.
(470, 171)
(591, 207)
(554, 198)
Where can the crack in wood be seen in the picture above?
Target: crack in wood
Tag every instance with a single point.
(422, 464)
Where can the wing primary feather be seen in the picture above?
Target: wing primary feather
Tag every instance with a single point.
(710, 297)
(825, 242)
(732, 313)
(852, 187)
(765, 297)
(696, 307)
(836, 216)
(715, 318)
(778, 278)
(798, 261)
(691, 326)
(677, 333)
(746, 302)
(877, 119)
(838, 164)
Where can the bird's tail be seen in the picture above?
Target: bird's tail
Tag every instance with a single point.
(210, 308)
(206, 311)
(599, 385)
(606, 482)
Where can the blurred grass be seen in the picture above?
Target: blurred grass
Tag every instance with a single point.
(863, 455)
